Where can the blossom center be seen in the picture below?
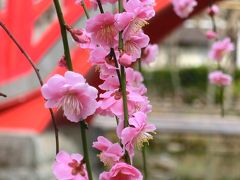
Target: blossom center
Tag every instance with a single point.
(136, 25)
(108, 161)
(106, 34)
(130, 47)
(77, 168)
(117, 95)
(143, 137)
(71, 104)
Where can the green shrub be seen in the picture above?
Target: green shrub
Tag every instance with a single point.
(193, 82)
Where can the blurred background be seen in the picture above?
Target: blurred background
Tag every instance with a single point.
(192, 142)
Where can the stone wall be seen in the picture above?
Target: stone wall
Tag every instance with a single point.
(29, 156)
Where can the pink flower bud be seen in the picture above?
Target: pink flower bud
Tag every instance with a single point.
(211, 35)
(62, 62)
(213, 10)
(125, 60)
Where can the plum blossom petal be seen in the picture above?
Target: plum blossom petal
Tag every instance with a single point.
(134, 43)
(149, 53)
(121, 171)
(111, 153)
(137, 133)
(219, 78)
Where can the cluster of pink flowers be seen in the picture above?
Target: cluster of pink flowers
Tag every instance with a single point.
(218, 50)
(78, 99)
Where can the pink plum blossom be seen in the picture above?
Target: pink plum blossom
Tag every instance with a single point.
(219, 78)
(144, 107)
(134, 43)
(69, 167)
(211, 35)
(106, 72)
(72, 93)
(101, 56)
(141, 9)
(184, 7)
(98, 55)
(103, 29)
(81, 37)
(121, 171)
(149, 53)
(134, 82)
(112, 101)
(213, 10)
(221, 48)
(137, 133)
(135, 16)
(110, 153)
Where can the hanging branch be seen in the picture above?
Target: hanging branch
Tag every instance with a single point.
(83, 125)
(214, 29)
(39, 79)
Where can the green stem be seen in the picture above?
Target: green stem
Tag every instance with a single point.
(144, 162)
(85, 9)
(145, 144)
(222, 101)
(124, 94)
(113, 54)
(64, 34)
(85, 149)
(140, 65)
(123, 81)
(120, 6)
(221, 93)
(125, 105)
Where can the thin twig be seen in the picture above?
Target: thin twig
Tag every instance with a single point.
(100, 6)
(219, 67)
(113, 55)
(64, 34)
(3, 95)
(85, 9)
(24, 52)
(39, 79)
(83, 127)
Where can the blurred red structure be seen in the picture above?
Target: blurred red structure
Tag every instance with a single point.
(28, 113)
